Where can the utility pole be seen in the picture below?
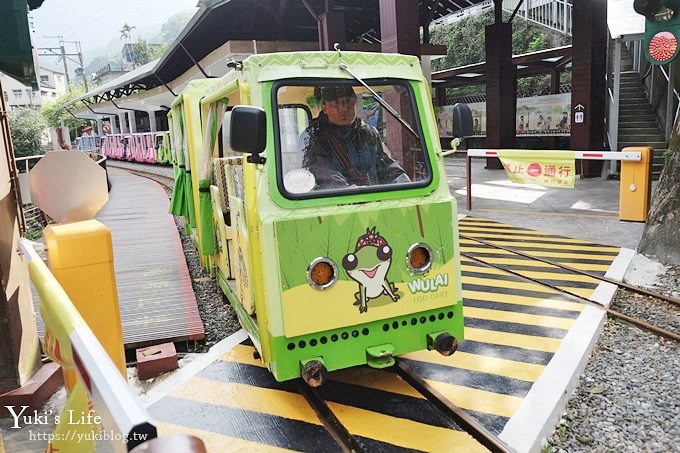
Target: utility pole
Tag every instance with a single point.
(63, 58)
(82, 67)
(61, 53)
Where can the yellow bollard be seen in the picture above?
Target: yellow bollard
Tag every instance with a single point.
(636, 185)
(80, 255)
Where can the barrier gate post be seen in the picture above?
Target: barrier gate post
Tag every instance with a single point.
(80, 255)
(636, 185)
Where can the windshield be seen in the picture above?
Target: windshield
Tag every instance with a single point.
(336, 138)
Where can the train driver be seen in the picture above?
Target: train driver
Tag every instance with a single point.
(341, 150)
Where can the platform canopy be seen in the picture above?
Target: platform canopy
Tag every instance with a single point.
(219, 21)
(16, 50)
(528, 64)
(623, 21)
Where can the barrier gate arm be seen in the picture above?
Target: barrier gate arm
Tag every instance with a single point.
(113, 400)
(583, 155)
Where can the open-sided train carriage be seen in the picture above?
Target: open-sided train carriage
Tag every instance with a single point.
(323, 277)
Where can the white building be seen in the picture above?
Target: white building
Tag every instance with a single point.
(17, 95)
(52, 84)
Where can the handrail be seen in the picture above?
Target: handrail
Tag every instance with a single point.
(73, 345)
(553, 14)
(26, 160)
(669, 102)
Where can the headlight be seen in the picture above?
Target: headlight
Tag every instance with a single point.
(419, 258)
(322, 273)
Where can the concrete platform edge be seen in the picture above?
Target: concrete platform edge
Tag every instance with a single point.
(529, 427)
(192, 368)
(604, 293)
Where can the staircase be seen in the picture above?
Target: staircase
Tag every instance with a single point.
(638, 123)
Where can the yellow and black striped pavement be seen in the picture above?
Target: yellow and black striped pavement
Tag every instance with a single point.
(515, 333)
(575, 253)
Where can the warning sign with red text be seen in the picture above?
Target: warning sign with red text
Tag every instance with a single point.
(546, 168)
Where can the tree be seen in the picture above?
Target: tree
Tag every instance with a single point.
(126, 31)
(173, 26)
(660, 238)
(56, 114)
(143, 52)
(27, 128)
(465, 43)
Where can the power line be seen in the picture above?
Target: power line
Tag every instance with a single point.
(102, 12)
(52, 52)
(89, 24)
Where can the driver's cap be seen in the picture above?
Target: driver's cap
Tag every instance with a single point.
(331, 93)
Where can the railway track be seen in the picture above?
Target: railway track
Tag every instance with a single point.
(342, 434)
(447, 409)
(165, 181)
(673, 303)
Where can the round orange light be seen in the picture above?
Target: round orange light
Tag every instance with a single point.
(419, 258)
(322, 273)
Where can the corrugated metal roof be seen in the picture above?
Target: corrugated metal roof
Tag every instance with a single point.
(220, 21)
(135, 76)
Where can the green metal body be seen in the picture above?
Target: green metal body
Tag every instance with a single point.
(266, 247)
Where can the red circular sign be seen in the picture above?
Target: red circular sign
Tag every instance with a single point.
(663, 46)
(534, 170)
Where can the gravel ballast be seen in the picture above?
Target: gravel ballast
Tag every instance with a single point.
(627, 399)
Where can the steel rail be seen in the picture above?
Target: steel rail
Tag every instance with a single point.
(610, 311)
(333, 425)
(635, 289)
(469, 424)
(143, 174)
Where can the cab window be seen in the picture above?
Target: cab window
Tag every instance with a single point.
(338, 137)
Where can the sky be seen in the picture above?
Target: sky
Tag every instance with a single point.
(95, 22)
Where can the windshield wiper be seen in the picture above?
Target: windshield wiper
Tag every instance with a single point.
(382, 102)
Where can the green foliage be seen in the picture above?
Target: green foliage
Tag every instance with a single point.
(173, 26)
(143, 52)
(56, 114)
(126, 31)
(668, 154)
(538, 43)
(27, 127)
(465, 43)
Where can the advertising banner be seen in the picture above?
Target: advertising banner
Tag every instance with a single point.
(537, 116)
(545, 168)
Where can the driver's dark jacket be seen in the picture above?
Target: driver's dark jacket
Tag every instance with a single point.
(363, 146)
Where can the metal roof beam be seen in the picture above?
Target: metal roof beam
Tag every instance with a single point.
(195, 62)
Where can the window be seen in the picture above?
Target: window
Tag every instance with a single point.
(17, 94)
(44, 78)
(43, 93)
(54, 95)
(337, 138)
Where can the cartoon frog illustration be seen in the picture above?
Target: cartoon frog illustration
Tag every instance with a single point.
(368, 266)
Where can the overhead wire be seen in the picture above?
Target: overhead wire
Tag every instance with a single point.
(102, 12)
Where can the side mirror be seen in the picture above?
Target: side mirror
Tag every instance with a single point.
(248, 132)
(462, 120)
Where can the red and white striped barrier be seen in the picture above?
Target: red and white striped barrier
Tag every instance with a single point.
(584, 155)
(623, 155)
